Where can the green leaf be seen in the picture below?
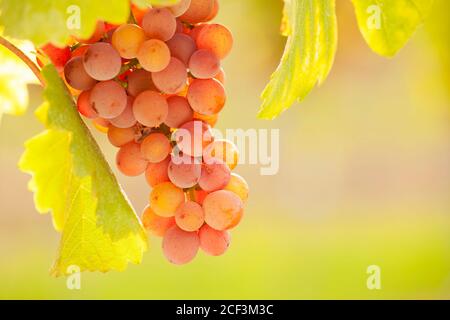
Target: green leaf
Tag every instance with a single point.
(308, 56)
(388, 25)
(43, 21)
(70, 178)
(14, 77)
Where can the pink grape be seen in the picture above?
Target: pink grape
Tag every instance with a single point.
(108, 99)
(217, 38)
(180, 247)
(214, 242)
(130, 161)
(172, 79)
(157, 173)
(180, 112)
(182, 47)
(193, 137)
(76, 75)
(189, 216)
(140, 81)
(204, 64)
(159, 23)
(206, 96)
(184, 171)
(198, 11)
(223, 210)
(150, 108)
(215, 176)
(155, 147)
(102, 62)
(126, 119)
(84, 105)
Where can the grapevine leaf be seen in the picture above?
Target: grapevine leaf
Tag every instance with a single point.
(70, 178)
(14, 77)
(43, 21)
(388, 25)
(308, 56)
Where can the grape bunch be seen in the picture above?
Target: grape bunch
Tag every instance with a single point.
(155, 85)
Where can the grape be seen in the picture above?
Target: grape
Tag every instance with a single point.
(189, 216)
(182, 47)
(180, 247)
(221, 76)
(108, 99)
(165, 199)
(180, 112)
(193, 137)
(206, 96)
(155, 147)
(215, 176)
(150, 108)
(184, 171)
(155, 224)
(198, 11)
(159, 23)
(239, 186)
(204, 64)
(139, 81)
(216, 38)
(127, 39)
(58, 56)
(172, 79)
(195, 32)
(157, 173)
(130, 161)
(97, 35)
(102, 62)
(214, 11)
(214, 242)
(180, 8)
(154, 55)
(211, 120)
(76, 76)
(84, 105)
(223, 209)
(223, 150)
(200, 196)
(126, 119)
(121, 136)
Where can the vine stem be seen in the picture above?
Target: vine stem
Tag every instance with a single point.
(22, 56)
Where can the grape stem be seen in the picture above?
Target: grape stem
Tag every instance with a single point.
(22, 56)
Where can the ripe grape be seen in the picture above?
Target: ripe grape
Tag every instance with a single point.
(182, 47)
(139, 81)
(214, 242)
(180, 247)
(223, 209)
(215, 176)
(157, 173)
(150, 108)
(165, 199)
(121, 136)
(239, 186)
(204, 64)
(200, 195)
(155, 224)
(76, 76)
(127, 39)
(180, 112)
(206, 96)
(130, 161)
(180, 8)
(184, 171)
(214, 11)
(154, 55)
(155, 147)
(108, 99)
(102, 62)
(195, 32)
(198, 11)
(221, 76)
(126, 119)
(216, 38)
(172, 79)
(159, 23)
(223, 150)
(189, 216)
(193, 137)
(84, 105)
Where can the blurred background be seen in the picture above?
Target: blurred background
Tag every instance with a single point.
(364, 180)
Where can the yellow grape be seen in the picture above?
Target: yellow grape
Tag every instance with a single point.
(155, 224)
(165, 199)
(127, 39)
(154, 55)
(239, 186)
(121, 136)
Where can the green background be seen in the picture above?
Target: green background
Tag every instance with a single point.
(364, 180)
